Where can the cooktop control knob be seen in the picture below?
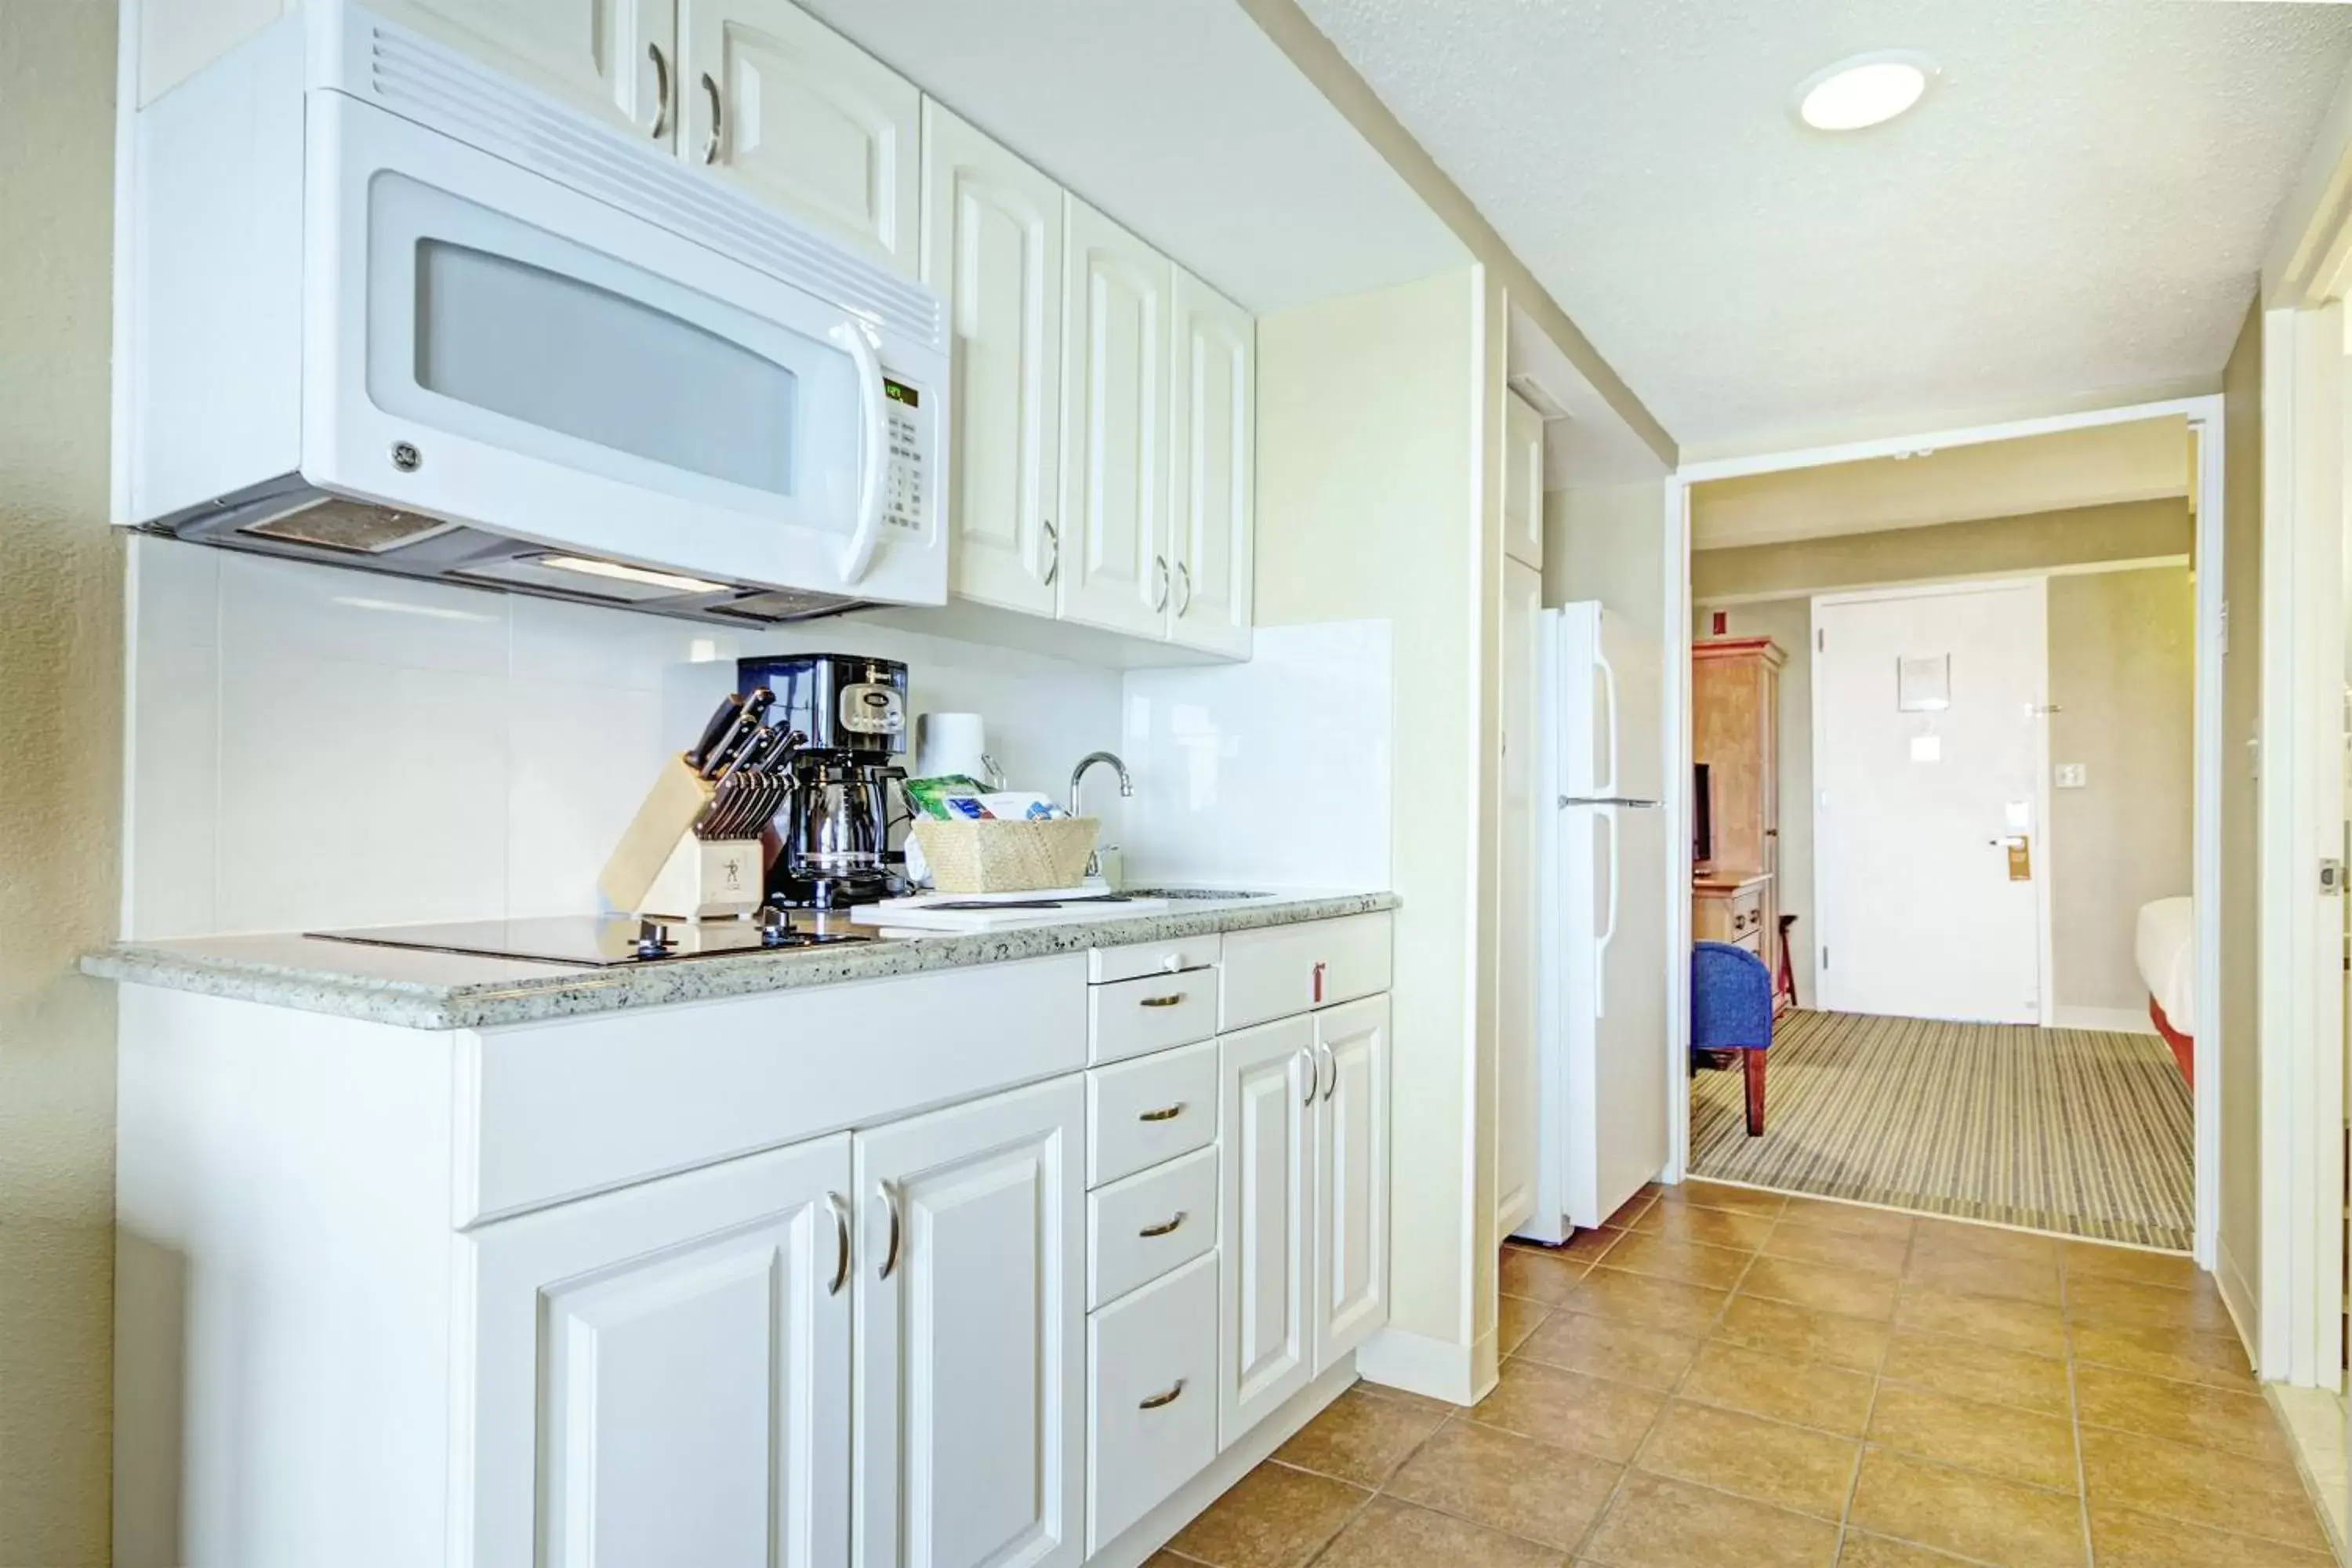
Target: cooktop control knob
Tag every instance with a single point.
(654, 940)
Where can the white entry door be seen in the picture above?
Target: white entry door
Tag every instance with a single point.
(1929, 740)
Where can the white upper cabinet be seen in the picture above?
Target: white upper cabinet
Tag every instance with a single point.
(1269, 1084)
(615, 59)
(1523, 480)
(661, 1373)
(993, 249)
(1351, 1227)
(1213, 467)
(970, 1342)
(803, 118)
(1116, 572)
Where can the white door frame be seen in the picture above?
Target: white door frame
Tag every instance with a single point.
(2045, 1003)
(2204, 416)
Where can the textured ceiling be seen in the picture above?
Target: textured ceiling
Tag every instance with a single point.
(2079, 204)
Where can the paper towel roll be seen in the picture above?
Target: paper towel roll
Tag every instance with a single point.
(951, 743)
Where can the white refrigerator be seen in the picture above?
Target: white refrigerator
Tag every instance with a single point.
(1604, 1073)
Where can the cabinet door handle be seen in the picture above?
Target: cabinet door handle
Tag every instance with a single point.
(1314, 1075)
(1159, 565)
(1172, 1000)
(887, 1191)
(1333, 1063)
(1185, 575)
(718, 121)
(1165, 1114)
(1053, 553)
(840, 1207)
(661, 90)
(1164, 1228)
(1157, 1400)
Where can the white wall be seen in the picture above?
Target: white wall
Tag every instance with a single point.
(1269, 774)
(310, 746)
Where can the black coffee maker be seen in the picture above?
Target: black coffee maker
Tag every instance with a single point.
(834, 829)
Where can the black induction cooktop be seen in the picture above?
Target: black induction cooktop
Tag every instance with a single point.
(604, 942)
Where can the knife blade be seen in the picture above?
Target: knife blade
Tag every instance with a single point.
(723, 720)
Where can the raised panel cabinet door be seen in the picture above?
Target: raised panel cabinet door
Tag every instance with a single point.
(804, 119)
(1213, 467)
(1516, 1090)
(614, 59)
(1116, 571)
(992, 249)
(971, 1356)
(1351, 1293)
(1268, 1088)
(1523, 480)
(661, 1373)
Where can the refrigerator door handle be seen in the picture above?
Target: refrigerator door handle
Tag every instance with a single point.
(1609, 931)
(1608, 673)
(1627, 802)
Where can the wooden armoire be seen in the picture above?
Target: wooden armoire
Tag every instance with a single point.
(1736, 732)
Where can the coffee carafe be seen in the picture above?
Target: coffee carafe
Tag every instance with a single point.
(833, 832)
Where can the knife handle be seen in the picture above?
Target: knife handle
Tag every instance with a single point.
(722, 720)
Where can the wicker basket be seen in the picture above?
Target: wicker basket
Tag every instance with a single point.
(1007, 857)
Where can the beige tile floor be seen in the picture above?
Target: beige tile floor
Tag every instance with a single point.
(1724, 1376)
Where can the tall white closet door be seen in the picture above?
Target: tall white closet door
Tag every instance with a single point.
(1516, 1090)
(993, 248)
(1116, 571)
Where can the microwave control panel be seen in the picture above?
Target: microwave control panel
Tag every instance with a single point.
(907, 477)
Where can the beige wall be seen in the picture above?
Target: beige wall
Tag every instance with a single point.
(2123, 676)
(2240, 1263)
(2125, 531)
(60, 594)
(1372, 505)
(1608, 543)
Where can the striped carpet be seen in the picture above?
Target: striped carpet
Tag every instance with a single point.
(2075, 1130)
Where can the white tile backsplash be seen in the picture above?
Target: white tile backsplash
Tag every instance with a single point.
(1272, 773)
(311, 746)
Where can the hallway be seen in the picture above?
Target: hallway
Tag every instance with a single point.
(1729, 1377)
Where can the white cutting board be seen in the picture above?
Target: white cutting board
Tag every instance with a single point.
(919, 913)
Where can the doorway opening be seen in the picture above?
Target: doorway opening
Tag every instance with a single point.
(1950, 798)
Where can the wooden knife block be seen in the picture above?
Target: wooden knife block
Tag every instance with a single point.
(660, 868)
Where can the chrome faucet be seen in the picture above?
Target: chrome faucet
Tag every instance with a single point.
(1125, 784)
(1125, 791)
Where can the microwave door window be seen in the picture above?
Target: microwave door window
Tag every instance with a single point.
(488, 328)
(567, 356)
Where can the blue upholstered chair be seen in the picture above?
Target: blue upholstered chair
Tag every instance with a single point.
(1731, 1010)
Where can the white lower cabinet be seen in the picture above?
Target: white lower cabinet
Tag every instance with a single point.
(662, 1373)
(1350, 1291)
(1268, 1091)
(1151, 1406)
(969, 1371)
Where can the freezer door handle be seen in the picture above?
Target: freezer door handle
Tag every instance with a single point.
(1617, 800)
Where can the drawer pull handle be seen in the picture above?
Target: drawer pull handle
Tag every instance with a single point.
(1318, 983)
(1170, 1398)
(887, 1191)
(1164, 1228)
(840, 1207)
(1165, 1114)
(1174, 999)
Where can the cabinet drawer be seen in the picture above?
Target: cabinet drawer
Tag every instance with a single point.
(1106, 964)
(1140, 1229)
(1151, 1397)
(1131, 1018)
(1142, 1112)
(1282, 970)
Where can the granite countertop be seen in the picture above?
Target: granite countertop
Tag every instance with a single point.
(422, 990)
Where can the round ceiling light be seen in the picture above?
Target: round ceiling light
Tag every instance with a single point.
(1868, 90)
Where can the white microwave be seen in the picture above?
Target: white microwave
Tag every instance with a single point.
(388, 308)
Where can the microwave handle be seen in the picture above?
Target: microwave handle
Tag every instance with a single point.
(852, 336)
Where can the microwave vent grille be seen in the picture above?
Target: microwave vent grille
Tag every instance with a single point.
(447, 92)
(330, 523)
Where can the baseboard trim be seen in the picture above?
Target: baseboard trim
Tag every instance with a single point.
(1155, 1530)
(2240, 1301)
(1417, 1363)
(2108, 1020)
